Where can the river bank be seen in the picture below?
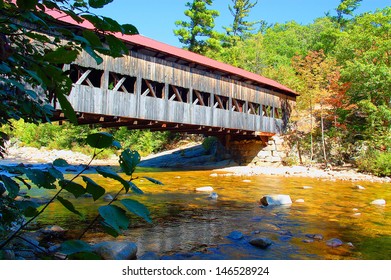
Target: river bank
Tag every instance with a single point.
(191, 157)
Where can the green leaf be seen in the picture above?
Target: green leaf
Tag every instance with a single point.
(75, 246)
(109, 230)
(34, 75)
(24, 182)
(137, 208)
(93, 54)
(114, 25)
(4, 68)
(117, 47)
(26, 4)
(56, 173)
(93, 188)
(128, 161)
(135, 189)
(61, 55)
(68, 205)
(67, 108)
(29, 208)
(129, 29)
(92, 38)
(100, 140)
(96, 21)
(98, 3)
(2, 188)
(153, 180)
(116, 144)
(74, 188)
(114, 216)
(59, 162)
(108, 173)
(43, 179)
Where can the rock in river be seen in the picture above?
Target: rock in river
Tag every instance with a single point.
(379, 202)
(213, 196)
(261, 242)
(235, 235)
(111, 250)
(334, 242)
(279, 199)
(204, 189)
(359, 187)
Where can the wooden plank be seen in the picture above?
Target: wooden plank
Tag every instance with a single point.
(199, 97)
(150, 87)
(83, 77)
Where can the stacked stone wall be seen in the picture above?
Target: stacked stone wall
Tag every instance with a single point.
(258, 152)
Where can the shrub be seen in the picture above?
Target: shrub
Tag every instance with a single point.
(209, 143)
(376, 162)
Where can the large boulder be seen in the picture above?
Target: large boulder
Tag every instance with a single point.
(112, 250)
(277, 199)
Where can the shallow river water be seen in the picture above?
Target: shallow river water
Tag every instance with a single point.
(188, 225)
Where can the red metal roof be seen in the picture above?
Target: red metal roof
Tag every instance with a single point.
(181, 53)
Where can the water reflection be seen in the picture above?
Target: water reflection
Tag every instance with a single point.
(187, 221)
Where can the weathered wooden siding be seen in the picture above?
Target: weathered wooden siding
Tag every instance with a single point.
(140, 105)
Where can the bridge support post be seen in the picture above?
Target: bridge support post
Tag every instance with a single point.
(264, 151)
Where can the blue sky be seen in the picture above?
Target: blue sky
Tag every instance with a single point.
(155, 18)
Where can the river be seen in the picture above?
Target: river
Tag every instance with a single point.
(188, 225)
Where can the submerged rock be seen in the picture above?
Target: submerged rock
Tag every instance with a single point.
(213, 196)
(279, 199)
(261, 242)
(111, 250)
(150, 256)
(316, 236)
(359, 187)
(334, 242)
(108, 198)
(235, 235)
(380, 202)
(204, 189)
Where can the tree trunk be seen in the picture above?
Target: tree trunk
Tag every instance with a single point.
(323, 141)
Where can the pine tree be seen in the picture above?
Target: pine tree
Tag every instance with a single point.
(197, 34)
(240, 10)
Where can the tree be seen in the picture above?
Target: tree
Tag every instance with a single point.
(240, 28)
(345, 8)
(34, 46)
(197, 34)
(317, 74)
(364, 53)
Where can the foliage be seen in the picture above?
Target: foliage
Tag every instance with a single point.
(376, 162)
(240, 28)
(72, 137)
(341, 67)
(113, 216)
(34, 46)
(197, 34)
(209, 143)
